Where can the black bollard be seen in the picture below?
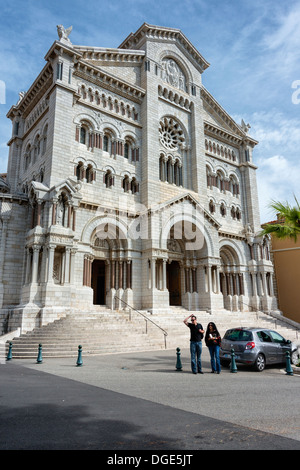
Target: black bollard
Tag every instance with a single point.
(9, 354)
(233, 367)
(79, 358)
(289, 370)
(39, 358)
(178, 362)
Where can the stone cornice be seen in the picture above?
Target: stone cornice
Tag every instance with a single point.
(89, 72)
(220, 133)
(158, 33)
(110, 55)
(217, 109)
(237, 236)
(34, 94)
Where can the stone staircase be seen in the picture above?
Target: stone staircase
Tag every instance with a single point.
(101, 331)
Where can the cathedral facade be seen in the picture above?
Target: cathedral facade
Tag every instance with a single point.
(128, 185)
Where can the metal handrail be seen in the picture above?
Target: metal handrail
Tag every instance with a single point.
(146, 319)
(283, 320)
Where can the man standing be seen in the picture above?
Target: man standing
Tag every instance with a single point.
(197, 332)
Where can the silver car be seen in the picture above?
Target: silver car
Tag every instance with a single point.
(256, 347)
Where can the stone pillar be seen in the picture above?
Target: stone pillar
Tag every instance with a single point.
(128, 277)
(113, 275)
(218, 279)
(35, 263)
(28, 257)
(74, 219)
(72, 265)
(209, 285)
(164, 274)
(67, 265)
(120, 274)
(53, 222)
(51, 249)
(39, 207)
(153, 273)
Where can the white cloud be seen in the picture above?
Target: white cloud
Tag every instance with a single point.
(283, 42)
(277, 179)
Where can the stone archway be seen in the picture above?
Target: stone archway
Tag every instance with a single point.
(231, 278)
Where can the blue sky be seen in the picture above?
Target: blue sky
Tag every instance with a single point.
(253, 47)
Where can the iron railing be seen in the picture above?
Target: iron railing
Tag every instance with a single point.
(146, 319)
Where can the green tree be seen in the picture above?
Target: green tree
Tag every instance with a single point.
(288, 225)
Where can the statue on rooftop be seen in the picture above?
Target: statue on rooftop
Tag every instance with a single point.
(63, 34)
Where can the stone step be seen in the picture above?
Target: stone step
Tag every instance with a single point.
(101, 331)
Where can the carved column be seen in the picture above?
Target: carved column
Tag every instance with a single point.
(153, 273)
(72, 265)
(51, 250)
(67, 266)
(35, 263)
(39, 207)
(128, 278)
(164, 274)
(28, 259)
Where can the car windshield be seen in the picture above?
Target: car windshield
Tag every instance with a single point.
(238, 335)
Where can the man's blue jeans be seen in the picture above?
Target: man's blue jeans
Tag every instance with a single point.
(215, 358)
(196, 350)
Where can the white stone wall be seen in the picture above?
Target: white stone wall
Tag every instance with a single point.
(86, 98)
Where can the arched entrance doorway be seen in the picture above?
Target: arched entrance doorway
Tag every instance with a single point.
(98, 282)
(174, 283)
(231, 279)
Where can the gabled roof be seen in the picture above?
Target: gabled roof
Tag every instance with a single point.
(152, 32)
(190, 198)
(214, 108)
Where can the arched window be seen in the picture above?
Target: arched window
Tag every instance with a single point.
(109, 180)
(108, 144)
(177, 173)
(36, 148)
(126, 184)
(220, 183)
(80, 171)
(134, 186)
(27, 157)
(89, 174)
(105, 143)
(234, 186)
(126, 150)
(44, 139)
(162, 168)
(223, 209)
(209, 177)
(83, 133)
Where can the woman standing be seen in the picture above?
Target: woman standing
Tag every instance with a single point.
(213, 341)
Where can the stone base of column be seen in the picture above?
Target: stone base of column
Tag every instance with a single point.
(156, 301)
(255, 302)
(110, 299)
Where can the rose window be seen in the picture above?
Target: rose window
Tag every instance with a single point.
(171, 134)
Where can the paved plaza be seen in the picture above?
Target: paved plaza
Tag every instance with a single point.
(139, 401)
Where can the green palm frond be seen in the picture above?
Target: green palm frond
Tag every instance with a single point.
(290, 226)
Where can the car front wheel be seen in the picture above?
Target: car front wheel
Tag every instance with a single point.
(260, 363)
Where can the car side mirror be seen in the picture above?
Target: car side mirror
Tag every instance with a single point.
(288, 341)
